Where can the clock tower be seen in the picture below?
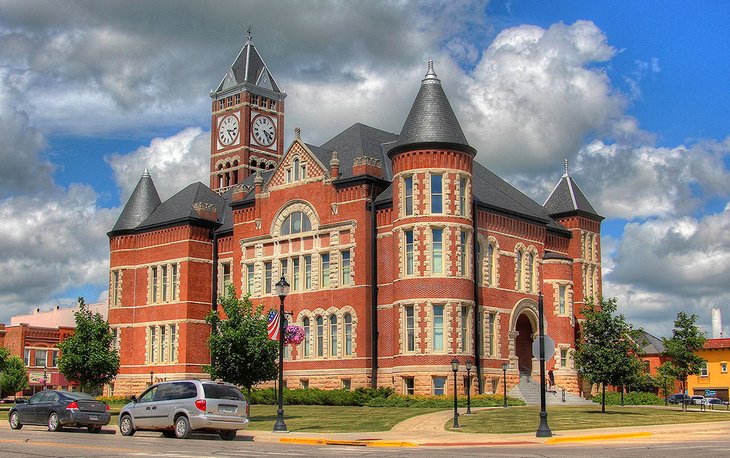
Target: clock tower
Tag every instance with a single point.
(247, 122)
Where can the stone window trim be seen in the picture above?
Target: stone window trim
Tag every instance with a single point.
(448, 335)
(291, 207)
(486, 311)
(115, 287)
(568, 298)
(569, 357)
(339, 313)
(403, 335)
(464, 212)
(404, 197)
(469, 330)
(170, 345)
(173, 284)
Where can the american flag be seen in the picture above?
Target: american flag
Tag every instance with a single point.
(273, 325)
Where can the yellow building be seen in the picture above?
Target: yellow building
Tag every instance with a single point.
(714, 379)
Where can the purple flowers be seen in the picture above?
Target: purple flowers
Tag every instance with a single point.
(293, 335)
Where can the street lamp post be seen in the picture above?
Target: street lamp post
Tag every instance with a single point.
(282, 289)
(152, 374)
(468, 387)
(45, 376)
(455, 368)
(543, 430)
(505, 366)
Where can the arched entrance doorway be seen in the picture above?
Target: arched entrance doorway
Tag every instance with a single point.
(523, 344)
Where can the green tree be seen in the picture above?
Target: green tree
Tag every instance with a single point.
(682, 349)
(241, 352)
(14, 377)
(607, 352)
(4, 356)
(665, 378)
(87, 356)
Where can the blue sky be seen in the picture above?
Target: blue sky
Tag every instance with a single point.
(633, 94)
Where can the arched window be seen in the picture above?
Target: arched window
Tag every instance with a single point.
(480, 264)
(296, 223)
(490, 264)
(320, 336)
(307, 333)
(530, 272)
(296, 169)
(333, 335)
(347, 318)
(520, 273)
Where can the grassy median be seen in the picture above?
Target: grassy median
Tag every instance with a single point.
(526, 419)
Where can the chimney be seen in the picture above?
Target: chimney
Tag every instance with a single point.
(716, 323)
(206, 211)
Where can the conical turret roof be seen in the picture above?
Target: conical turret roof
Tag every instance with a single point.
(431, 121)
(567, 197)
(143, 201)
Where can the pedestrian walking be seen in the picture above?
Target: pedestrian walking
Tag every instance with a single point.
(551, 380)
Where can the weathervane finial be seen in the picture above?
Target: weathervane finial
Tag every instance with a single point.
(248, 33)
(565, 164)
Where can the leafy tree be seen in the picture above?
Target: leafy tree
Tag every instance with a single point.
(608, 352)
(4, 356)
(241, 352)
(665, 378)
(682, 349)
(14, 377)
(87, 356)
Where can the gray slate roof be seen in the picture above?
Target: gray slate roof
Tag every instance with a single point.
(179, 208)
(250, 68)
(649, 344)
(431, 120)
(356, 141)
(567, 197)
(143, 201)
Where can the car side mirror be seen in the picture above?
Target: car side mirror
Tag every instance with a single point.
(134, 399)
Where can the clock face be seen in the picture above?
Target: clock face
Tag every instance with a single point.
(228, 130)
(264, 131)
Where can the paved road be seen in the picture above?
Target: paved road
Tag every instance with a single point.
(36, 441)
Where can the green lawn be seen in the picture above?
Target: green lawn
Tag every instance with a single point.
(526, 419)
(336, 419)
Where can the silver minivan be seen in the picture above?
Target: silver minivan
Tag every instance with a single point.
(178, 408)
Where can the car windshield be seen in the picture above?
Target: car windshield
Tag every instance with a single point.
(215, 391)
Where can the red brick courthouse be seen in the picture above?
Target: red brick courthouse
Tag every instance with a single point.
(402, 251)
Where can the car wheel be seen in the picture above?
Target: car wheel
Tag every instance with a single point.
(15, 420)
(54, 423)
(182, 427)
(94, 429)
(168, 434)
(125, 426)
(227, 435)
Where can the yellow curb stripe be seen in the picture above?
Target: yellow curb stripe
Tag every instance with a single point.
(303, 440)
(562, 440)
(392, 444)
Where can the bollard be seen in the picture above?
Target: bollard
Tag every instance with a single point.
(563, 394)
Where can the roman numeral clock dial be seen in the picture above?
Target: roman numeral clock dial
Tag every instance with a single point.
(264, 131)
(228, 130)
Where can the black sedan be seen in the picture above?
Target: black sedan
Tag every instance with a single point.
(58, 409)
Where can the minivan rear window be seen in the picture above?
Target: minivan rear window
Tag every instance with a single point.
(214, 391)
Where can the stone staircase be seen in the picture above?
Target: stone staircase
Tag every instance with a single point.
(529, 391)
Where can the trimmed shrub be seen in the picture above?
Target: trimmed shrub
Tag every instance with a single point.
(114, 399)
(632, 398)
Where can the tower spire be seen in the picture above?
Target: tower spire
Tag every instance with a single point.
(565, 164)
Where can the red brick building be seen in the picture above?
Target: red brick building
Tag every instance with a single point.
(401, 250)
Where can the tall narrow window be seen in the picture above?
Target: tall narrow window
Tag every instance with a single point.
(491, 267)
(439, 386)
(26, 357)
(703, 369)
(410, 329)
(561, 297)
(249, 278)
(153, 344)
(478, 276)
(163, 343)
(464, 329)
(333, 335)
(462, 252)
(284, 263)
(115, 288)
(437, 194)
(226, 279)
(320, 336)
(268, 276)
(173, 344)
(154, 284)
(173, 286)
(408, 385)
(347, 319)
(307, 333)
(308, 272)
(462, 196)
(297, 285)
(325, 270)
(530, 272)
(437, 251)
(345, 257)
(564, 357)
(518, 261)
(408, 195)
(54, 357)
(409, 252)
(438, 328)
(296, 169)
(491, 330)
(164, 283)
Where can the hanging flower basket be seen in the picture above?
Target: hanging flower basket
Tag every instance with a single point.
(293, 335)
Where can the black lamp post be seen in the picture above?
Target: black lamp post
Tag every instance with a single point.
(455, 368)
(152, 374)
(282, 289)
(468, 387)
(543, 430)
(505, 366)
(45, 376)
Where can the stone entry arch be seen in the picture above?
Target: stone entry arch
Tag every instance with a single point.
(523, 331)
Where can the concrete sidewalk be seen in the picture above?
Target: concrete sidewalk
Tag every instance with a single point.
(428, 431)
